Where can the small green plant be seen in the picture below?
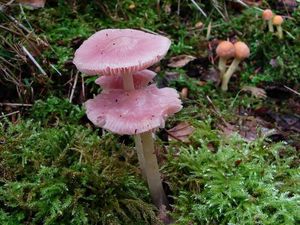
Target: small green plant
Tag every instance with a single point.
(54, 109)
(64, 175)
(230, 181)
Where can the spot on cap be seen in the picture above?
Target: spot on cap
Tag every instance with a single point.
(241, 50)
(225, 49)
(119, 51)
(133, 112)
(267, 14)
(140, 79)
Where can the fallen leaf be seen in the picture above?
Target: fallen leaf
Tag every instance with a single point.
(180, 61)
(248, 127)
(33, 3)
(166, 79)
(212, 75)
(256, 92)
(181, 132)
(227, 129)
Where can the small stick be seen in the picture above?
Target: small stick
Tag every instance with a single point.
(178, 8)
(149, 31)
(83, 87)
(208, 31)
(74, 87)
(9, 114)
(33, 60)
(292, 90)
(242, 3)
(198, 7)
(216, 110)
(15, 104)
(59, 73)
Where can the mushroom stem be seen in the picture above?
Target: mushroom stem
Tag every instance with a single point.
(139, 150)
(152, 171)
(226, 77)
(270, 25)
(279, 32)
(128, 84)
(222, 66)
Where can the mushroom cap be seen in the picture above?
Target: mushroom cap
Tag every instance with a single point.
(241, 50)
(133, 112)
(225, 49)
(140, 79)
(119, 51)
(277, 20)
(267, 14)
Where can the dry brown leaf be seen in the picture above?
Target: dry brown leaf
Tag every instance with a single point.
(256, 92)
(33, 3)
(181, 132)
(180, 61)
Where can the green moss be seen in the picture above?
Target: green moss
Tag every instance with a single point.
(64, 175)
(240, 183)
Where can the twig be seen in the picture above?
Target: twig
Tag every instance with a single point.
(9, 114)
(178, 7)
(149, 31)
(33, 60)
(10, 2)
(208, 31)
(217, 112)
(292, 90)
(59, 73)
(19, 24)
(241, 3)
(15, 104)
(23, 13)
(74, 87)
(198, 7)
(83, 87)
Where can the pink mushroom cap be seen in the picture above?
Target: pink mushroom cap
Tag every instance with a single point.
(140, 79)
(119, 51)
(133, 112)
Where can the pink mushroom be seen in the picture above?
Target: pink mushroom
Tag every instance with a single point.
(133, 112)
(140, 79)
(134, 108)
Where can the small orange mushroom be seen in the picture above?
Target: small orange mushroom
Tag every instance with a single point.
(225, 51)
(242, 51)
(277, 21)
(267, 15)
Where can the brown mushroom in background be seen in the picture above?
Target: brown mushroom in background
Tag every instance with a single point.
(241, 52)
(277, 21)
(267, 16)
(225, 51)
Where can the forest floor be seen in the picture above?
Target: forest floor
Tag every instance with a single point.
(226, 158)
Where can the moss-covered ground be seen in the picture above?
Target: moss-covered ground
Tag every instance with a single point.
(240, 165)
